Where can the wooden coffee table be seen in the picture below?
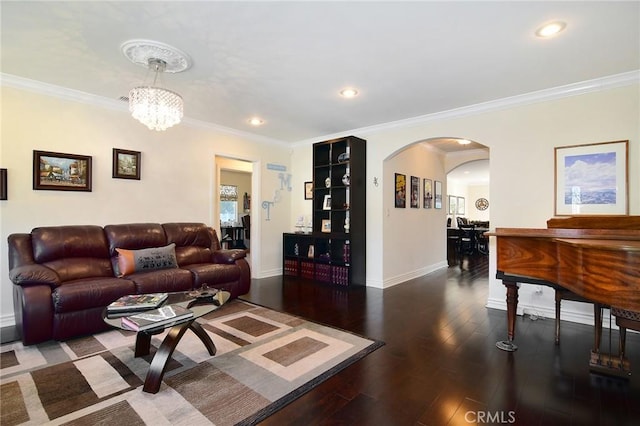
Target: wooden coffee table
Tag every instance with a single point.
(199, 307)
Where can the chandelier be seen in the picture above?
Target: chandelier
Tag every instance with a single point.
(153, 106)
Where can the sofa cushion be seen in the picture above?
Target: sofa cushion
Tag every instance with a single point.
(62, 242)
(193, 242)
(89, 293)
(149, 259)
(134, 236)
(164, 280)
(214, 275)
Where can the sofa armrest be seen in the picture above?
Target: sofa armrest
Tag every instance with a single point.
(34, 274)
(228, 256)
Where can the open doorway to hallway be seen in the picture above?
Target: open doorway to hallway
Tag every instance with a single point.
(232, 209)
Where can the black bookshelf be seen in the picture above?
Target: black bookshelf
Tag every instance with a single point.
(338, 254)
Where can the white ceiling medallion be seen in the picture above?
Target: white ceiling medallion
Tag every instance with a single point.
(141, 51)
(156, 107)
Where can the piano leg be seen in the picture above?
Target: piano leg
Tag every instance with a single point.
(512, 306)
(607, 363)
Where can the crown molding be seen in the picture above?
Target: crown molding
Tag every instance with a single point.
(64, 93)
(574, 89)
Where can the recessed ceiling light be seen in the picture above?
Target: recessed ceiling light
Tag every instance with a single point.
(464, 141)
(256, 121)
(349, 92)
(550, 29)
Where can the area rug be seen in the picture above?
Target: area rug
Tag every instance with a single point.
(265, 359)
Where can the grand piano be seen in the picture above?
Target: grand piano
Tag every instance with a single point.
(594, 257)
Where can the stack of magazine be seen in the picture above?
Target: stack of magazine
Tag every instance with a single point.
(136, 302)
(161, 317)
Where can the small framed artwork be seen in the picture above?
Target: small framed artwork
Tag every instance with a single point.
(326, 204)
(311, 251)
(427, 192)
(437, 194)
(3, 185)
(126, 164)
(61, 172)
(326, 225)
(415, 192)
(461, 206)
(592, 179)
(308, 190)
(453, 204)
(400, 191)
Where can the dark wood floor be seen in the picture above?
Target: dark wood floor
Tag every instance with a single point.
(440, 364)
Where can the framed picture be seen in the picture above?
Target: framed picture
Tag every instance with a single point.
(126, 164)
(461, 206)
(427, 193)
(400, 190)
(592, 179)
(61, 172)
(3, 184)
(415, 192)
(308, 190)
(326, 225)
(453, 204)
(326, 204)
(437, 203)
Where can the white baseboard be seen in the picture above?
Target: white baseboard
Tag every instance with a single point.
(566, 314)
(7, 320)
(399, 279)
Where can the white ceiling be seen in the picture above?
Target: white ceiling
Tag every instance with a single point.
(286, 61)
(473, 173)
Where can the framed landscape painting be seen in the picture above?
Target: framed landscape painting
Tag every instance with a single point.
(126, 164)
(592, 179)
(61, 172)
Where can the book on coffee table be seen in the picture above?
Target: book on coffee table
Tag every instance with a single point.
(137, 302)
(156, 318)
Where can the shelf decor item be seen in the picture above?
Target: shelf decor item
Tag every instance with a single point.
(326, 225)
(346, 179)
(326, 204)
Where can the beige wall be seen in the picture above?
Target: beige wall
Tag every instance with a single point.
(521, 141)
(178, 174)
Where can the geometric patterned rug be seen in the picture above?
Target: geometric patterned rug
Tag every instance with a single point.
(265, 359)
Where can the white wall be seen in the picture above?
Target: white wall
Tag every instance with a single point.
(412, 237)
(177, 183)
(473, 193)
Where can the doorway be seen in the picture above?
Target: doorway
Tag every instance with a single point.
(233, 203)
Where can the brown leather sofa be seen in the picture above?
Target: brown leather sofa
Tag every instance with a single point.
(64, 276)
